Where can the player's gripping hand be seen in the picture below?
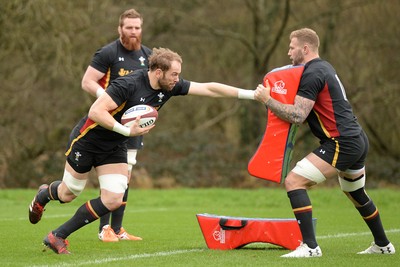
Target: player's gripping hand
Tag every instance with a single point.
(133, 130)
(136, 129)
(263, 93)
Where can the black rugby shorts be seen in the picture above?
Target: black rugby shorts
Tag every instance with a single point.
(82, 160)
(344, 153)
(135, 142)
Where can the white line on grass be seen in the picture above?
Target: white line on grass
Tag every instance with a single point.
(354, 234)
(175, 252)
(131, 257)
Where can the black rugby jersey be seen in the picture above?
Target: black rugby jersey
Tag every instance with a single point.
(133, 89)
(116, 61)
(332, 115)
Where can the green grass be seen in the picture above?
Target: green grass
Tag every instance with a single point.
(166, 219)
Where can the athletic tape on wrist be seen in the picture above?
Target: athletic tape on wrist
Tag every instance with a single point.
(245, 94)
(121, 129)
(99, 92)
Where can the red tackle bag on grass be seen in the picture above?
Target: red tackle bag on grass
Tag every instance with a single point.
(272, 158)
(222, 232)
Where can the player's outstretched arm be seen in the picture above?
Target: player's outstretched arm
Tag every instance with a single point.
(214, 89)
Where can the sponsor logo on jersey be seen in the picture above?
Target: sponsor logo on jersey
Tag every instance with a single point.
(123, 72)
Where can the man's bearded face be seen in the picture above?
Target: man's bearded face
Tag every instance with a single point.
(131, 33)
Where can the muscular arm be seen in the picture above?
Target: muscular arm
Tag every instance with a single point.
(100, 112)
(296, 113)
(213, 89)
(90, 80)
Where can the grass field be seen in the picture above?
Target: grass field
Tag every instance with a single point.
(166, 220)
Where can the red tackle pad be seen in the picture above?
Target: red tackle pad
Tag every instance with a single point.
(272, 158)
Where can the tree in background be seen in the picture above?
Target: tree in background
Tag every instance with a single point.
(46, 45)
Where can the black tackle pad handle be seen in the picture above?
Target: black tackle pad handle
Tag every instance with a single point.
(223, 221)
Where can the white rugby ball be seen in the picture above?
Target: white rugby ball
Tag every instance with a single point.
(148, 115)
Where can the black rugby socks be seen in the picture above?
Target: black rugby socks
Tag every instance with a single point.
(302, 210)
(87, 213)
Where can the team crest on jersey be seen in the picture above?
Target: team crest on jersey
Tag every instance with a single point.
(77, 155)
(160, 97)
(142, 59)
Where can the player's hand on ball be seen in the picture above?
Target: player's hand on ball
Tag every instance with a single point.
(136, 129)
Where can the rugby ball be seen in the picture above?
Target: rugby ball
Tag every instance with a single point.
(148, 115)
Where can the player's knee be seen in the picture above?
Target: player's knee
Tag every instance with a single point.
(115, 186)
(111, 200)
(290, 184)
(74, 186)
(352, 180)
(294, 181)
(115, 183)
(64, 194)
(67, 197)
(354, 188)
(311, 174)
(113, 204)
(116, 204)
